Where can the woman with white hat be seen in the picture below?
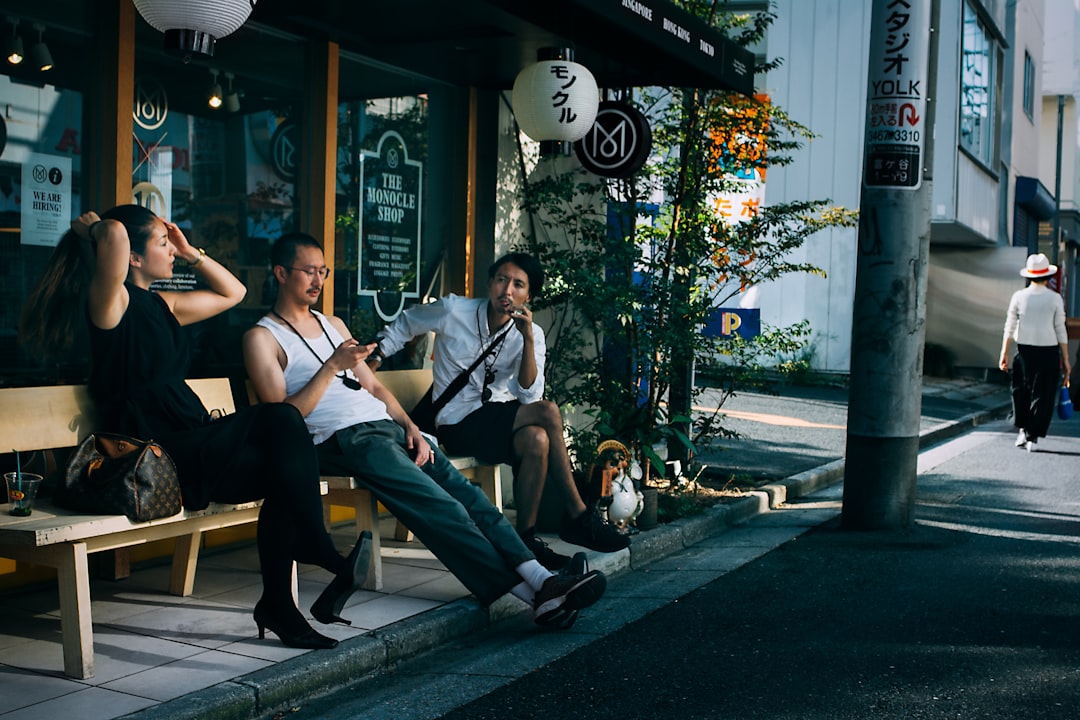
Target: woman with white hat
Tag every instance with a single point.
(1036, 323)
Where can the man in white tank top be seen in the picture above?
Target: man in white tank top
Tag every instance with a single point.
(310, 360)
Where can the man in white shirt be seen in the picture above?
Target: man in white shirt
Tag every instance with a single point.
(299, 356)
(500, 415)
(1035, 322)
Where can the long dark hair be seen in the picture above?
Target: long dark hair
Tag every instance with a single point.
(55, 311)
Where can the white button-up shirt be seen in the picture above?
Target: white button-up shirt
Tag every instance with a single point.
(461, 335)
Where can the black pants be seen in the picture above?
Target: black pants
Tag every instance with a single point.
(1036, 372)
(261, 452)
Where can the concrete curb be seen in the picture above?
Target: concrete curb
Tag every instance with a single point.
(289, 682)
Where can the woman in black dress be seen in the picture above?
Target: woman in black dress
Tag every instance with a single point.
(101, 271)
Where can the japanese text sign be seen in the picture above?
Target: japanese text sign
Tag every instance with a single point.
(896, 93)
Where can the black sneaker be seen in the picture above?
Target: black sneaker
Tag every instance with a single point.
(562, 594)
(578, 565)
(564, 618)
(589, 530)
(547, 557)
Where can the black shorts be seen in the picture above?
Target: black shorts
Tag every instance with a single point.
(487, 433)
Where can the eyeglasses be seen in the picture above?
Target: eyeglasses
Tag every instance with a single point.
(489, 377)
(311, 272)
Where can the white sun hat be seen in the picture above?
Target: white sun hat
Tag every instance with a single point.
(1038, 266)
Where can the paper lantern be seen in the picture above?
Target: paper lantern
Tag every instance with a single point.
(556, 98)
(192, 26)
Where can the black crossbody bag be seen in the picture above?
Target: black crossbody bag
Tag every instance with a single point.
(427, 408)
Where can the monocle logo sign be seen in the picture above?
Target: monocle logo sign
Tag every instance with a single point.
(284, 147)
(618, 143)
(151, 104)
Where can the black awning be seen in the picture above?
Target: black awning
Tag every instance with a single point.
(1033, 196)
(656, 42)
(485, 43)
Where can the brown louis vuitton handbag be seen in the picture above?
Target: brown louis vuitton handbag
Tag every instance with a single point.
(112, 474)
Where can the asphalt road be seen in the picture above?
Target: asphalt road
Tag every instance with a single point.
(973, 612)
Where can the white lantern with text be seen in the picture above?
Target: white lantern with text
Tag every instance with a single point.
(555, 99)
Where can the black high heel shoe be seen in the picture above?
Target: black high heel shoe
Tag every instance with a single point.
(327, 607)
(294, 632)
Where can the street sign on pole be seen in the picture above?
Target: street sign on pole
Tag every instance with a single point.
(896, 98)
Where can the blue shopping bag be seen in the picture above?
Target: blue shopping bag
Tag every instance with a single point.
(1065, 407)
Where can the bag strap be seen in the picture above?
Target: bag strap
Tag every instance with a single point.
(462, 379)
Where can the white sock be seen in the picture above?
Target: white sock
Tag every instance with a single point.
(523, 592)
(533, 573)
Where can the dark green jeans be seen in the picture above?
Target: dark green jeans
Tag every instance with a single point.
(450, 515)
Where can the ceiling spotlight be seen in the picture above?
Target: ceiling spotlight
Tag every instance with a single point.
(232, 99)
(40, 57)
(214, 100)
(13, 48)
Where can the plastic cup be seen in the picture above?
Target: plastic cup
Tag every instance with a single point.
(22, 488)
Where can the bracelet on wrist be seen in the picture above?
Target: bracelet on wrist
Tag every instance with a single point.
(198, 260)
(90, 230)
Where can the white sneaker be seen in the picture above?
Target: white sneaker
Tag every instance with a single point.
(1021, 439)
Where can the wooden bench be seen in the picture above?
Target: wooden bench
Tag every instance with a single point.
(57, 417)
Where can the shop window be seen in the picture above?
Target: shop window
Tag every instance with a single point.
(40, 178)
(218, 177)
(1029, 86)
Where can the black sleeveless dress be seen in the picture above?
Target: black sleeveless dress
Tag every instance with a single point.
(137, 382)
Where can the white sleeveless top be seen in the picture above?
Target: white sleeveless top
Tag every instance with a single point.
(340, 407)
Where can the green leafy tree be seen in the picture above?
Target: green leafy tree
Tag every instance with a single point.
(633, 281)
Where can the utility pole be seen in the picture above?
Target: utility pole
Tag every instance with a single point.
(889, 322)
(1056, 234)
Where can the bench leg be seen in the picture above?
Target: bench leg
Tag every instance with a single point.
(185, 558)
(112, 564)
(76, 624)
(490, 481)
(367, 518)
(326, 513)
(402, 533)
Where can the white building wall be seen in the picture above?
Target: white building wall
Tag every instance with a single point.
(821, 84)
(1061, 76)
(1026, 130)
(1061, 79)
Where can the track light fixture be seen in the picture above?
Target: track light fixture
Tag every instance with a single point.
(214, 100)
(13, 48)
(232, 98)
(40, 57)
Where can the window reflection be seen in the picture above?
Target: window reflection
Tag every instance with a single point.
(976, 88)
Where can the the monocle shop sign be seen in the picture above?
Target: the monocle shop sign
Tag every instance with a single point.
(389, 235)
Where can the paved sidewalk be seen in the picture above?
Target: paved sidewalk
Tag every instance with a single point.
(166, 657)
